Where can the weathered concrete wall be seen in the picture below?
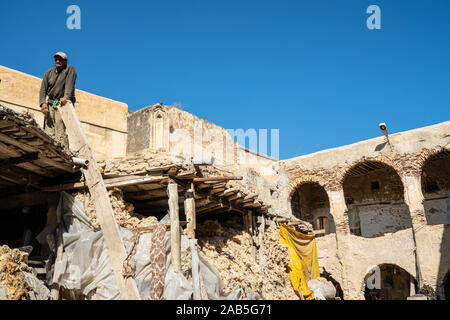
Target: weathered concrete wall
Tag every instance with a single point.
(378, 219)
(138, 131)
(437, 210)
(104, 120)
(361, 254)
(435, 258)
(327, 254)
(172, 130)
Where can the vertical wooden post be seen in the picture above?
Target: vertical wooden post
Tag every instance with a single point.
(262, 228)
(250, 230)
(105, 214)
(172, 190)
(253, 220)
(195, 270)
(189, 210)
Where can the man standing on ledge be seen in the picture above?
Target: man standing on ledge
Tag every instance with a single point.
(58, 85)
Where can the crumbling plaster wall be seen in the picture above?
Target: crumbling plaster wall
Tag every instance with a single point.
(435, 260)
(168, 129)
(355, 254)
(363, 254)
(327, 254)
(379, 219)
(437, 210)
(103, 120)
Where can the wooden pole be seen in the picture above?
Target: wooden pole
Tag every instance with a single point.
(254, 236)
(189, 210)
(262, 228)
(55, 289)
(250, 232)
(195, 270)
(105, 214)
(172, 190)
(211, 179)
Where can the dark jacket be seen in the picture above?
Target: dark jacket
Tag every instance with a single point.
(58, 85)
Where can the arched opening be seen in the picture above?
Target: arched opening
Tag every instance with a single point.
(310, 203)
(389, 282)
(374, 198)
(436, 188)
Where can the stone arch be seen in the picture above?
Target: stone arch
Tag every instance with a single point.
(380, 159)
(435, 187)
(388, 281)
(297, 182)
(374, 196)
(310, 202)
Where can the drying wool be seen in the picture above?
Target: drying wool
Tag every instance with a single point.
(228, 248)
(12, 264)
(123, 211)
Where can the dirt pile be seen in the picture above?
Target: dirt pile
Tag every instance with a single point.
(123, 211)
(227, 247)
(12, 263)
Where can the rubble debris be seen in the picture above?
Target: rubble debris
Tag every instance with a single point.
(12, 263)
(226, 246)
(123, 211)
(137, 163)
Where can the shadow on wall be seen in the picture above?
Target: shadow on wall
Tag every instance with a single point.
(374, 198)
(436, 188)
(444, 266)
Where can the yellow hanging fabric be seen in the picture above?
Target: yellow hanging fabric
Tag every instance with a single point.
(302, 250)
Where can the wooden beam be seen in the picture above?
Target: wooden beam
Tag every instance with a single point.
(11, 152)
(189, 211)
(105, 214)
(27, 148)
(211, 207)
(20, 176)
(175, 243)
(25, 200)
(18, 160)
(211, 179)
(148, 194)
(109, 184)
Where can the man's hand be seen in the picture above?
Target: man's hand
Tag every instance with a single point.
(44, 108)
(63, 101)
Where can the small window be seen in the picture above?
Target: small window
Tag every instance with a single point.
(323, 223)
(431, 186)
(375, 185)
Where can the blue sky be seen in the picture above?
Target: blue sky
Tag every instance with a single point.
(309, 68)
